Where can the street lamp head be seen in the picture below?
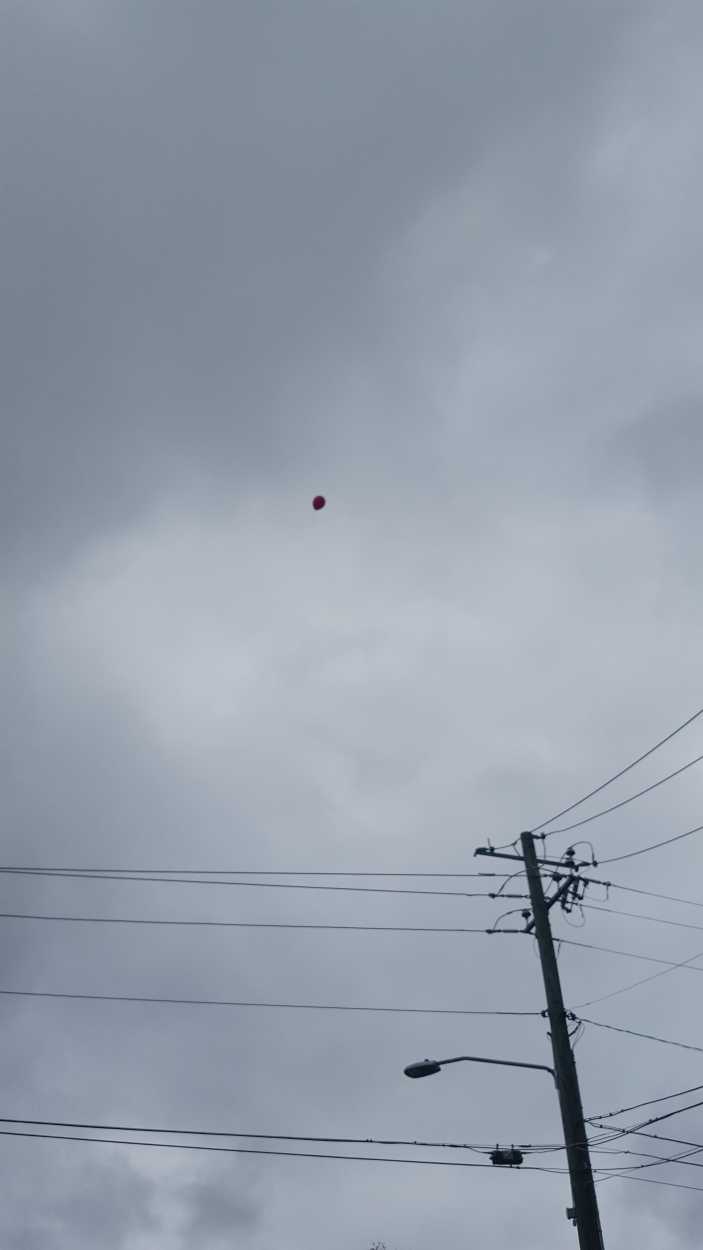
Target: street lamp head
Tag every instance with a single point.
(426, 1067)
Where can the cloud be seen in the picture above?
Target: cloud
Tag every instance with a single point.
(108, 1202)
(444, 268)
(216, 1214)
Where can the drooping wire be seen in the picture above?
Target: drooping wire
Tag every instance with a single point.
(54, 874)
(290, 1154)
(249, 924)
(475, 1147)
(621, 773)
(650, 1037)
(287, 1137)
(647, 959)
(623, 989)
(236, 872)
(655, 846)
(630, 889)
(648, 1102)
(614, 807)
(222, 1002)
(637, 915)
(300, 1154)
(657, 1161)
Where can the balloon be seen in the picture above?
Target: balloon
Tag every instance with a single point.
(319, 502)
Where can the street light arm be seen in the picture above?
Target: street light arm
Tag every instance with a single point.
(503, 1063)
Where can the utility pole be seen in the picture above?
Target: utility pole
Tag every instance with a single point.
(585, 1204)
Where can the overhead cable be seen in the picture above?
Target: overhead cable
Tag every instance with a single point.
(480, 1148)
(240, 872)
(648, 959)
(621, 773)
(253, 1150)
(300, 1154)
(637, 915)
(246, 924)
(222, 1002)
(291, 1137)
(632, 985)
(655, 846)
(650, 1037)
(59, 874)
(648, 1102)
(623, 802)
(668, 898)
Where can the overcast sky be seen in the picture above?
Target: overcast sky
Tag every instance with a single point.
(441, 262)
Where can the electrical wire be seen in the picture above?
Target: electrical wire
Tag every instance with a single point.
(616, 776)
(648, 1102)
(636, 915)
(682, 1157)
(617, 859)
(650, 1037)
(514, 911)
(300, 1154)
(659, 1160)
(668, 898)
(648, 959)
(288, 1137)
(684, 963)
(623, 802)
(246, 924)
(656, 1119)
(222, 1002)
(242, 872)
(648, 1180)
(290, 1154)
(480, 1148)
(52, 873)
(677, 1141)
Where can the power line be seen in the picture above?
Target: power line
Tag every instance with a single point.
(54, 873)
(481, 1148)
(676, 1141)
(289, 1137)
(650, 1037)
(669, 898)
(300, 1154)
(617, 859)
(648, 959)
(636, 915)
(251, 1150)
(247, 924)
(222, 1002)
(681, 1158)
(623, 802)
(668, 1115)
(658, 1119)
(648, 1102)
(646, 894)
(648, 1180)
(242, 872)
(684, 963)
(616, 776)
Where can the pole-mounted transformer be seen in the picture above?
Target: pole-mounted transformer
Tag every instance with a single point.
(506, 1158)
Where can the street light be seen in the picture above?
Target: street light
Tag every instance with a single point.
(428, 1067)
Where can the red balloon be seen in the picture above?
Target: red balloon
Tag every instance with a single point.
(319, 502)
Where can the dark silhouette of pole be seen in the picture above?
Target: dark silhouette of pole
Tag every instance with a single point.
(585, 1204)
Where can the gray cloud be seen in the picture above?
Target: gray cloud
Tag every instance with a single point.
(216, 1215)
(662, 451)
(107, 1202)
(195, 209)
(445, 268)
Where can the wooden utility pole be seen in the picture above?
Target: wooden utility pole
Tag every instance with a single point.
(585, 1204)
